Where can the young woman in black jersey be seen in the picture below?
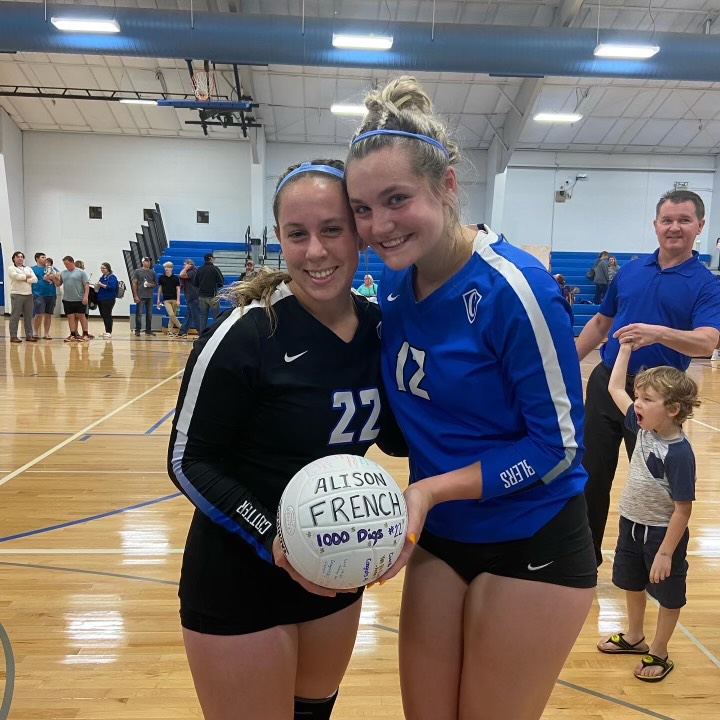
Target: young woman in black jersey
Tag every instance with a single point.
(259, 400)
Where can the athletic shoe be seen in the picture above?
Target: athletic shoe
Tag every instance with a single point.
(70, 338)
(32, 339)
(15, 340)
(715, 355)
(88, 336)
(47, 337)
(149, 333)
(84, 338)
(107, 336)
(137, 333)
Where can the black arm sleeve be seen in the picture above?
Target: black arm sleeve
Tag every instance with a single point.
(216, 400)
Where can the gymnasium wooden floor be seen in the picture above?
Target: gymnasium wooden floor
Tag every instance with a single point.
(92, 530)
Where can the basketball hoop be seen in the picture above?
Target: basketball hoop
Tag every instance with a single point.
(203, 85)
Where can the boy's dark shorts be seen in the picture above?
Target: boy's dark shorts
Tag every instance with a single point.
(636, 549)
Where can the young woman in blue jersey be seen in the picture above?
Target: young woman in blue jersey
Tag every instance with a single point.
(258, 402)
(480, 370)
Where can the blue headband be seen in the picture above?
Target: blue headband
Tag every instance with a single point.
(402, 133)
(309, 167)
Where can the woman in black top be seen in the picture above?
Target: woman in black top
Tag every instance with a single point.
(267, 390)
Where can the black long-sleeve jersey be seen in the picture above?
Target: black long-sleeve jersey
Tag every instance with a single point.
(256, 406)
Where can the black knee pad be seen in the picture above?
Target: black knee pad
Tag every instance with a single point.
(314, 709)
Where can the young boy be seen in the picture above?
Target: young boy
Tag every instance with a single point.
(654, 509)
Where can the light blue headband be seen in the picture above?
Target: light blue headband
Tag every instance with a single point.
(309, 167)
(402, 133)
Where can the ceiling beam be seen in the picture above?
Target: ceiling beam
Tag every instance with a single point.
(530, 89)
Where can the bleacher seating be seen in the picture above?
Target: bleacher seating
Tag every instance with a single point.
(573, 266)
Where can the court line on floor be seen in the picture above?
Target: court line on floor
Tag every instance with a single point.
(387, 628)
(79, 521)
(82, 571)
(95, 472)
(9, 674)
(616, 701)
(156, 425)
(85, 430)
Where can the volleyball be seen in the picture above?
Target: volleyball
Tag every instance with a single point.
(342, 521)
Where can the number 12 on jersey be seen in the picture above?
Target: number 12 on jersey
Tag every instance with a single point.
(414, 384)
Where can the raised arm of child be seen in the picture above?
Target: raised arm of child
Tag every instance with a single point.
(616, 386)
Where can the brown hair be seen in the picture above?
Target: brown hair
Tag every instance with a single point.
(679, 196)
(261, 287)
(106, 265)
(676, 388)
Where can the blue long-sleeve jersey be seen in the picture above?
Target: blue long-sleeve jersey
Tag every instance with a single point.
(485, 369)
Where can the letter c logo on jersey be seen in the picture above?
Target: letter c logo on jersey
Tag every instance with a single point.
(471, 299)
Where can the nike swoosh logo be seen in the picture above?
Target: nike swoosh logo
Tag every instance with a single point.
(392, 298)
(532, 567)
(291, 358)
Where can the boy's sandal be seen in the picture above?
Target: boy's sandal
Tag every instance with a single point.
(623, 647)
(655, 660)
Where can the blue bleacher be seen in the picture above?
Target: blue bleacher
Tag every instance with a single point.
(573, 266)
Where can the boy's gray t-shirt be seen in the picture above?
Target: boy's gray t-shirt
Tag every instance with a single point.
(73, 282)
(661, 472)
(141, 275)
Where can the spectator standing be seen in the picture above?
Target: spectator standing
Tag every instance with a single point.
(169, 296)
(613, 268)
(44, 297)
(209, 280)
(250, 271)
(189, 289)
(21, 280)
(600, 277)
(76, 285)
(106, 288)
(143, 282)
(670, 303)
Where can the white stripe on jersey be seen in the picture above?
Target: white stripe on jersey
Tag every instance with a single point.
(543, 338)
(201, 365)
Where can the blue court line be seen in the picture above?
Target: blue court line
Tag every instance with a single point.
(89, 572)
(28, 533)
(9, 674)
(154, 427)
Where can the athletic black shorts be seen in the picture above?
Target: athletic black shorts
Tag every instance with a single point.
(227, 589)
(74, 308)
(637, 546)
(561, 552)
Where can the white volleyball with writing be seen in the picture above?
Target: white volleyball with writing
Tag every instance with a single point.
(342, 521)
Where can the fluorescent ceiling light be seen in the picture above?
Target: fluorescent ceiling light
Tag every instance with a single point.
(137, 101)
(339, 109)
(627, 52)
(362, 42)
(80, 25)
(552, 117)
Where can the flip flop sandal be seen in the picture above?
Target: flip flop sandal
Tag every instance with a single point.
(624, 647)
(655, 660)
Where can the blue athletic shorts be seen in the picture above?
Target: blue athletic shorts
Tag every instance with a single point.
(636, 549)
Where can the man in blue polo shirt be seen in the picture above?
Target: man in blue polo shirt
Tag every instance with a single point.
(668, 303)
